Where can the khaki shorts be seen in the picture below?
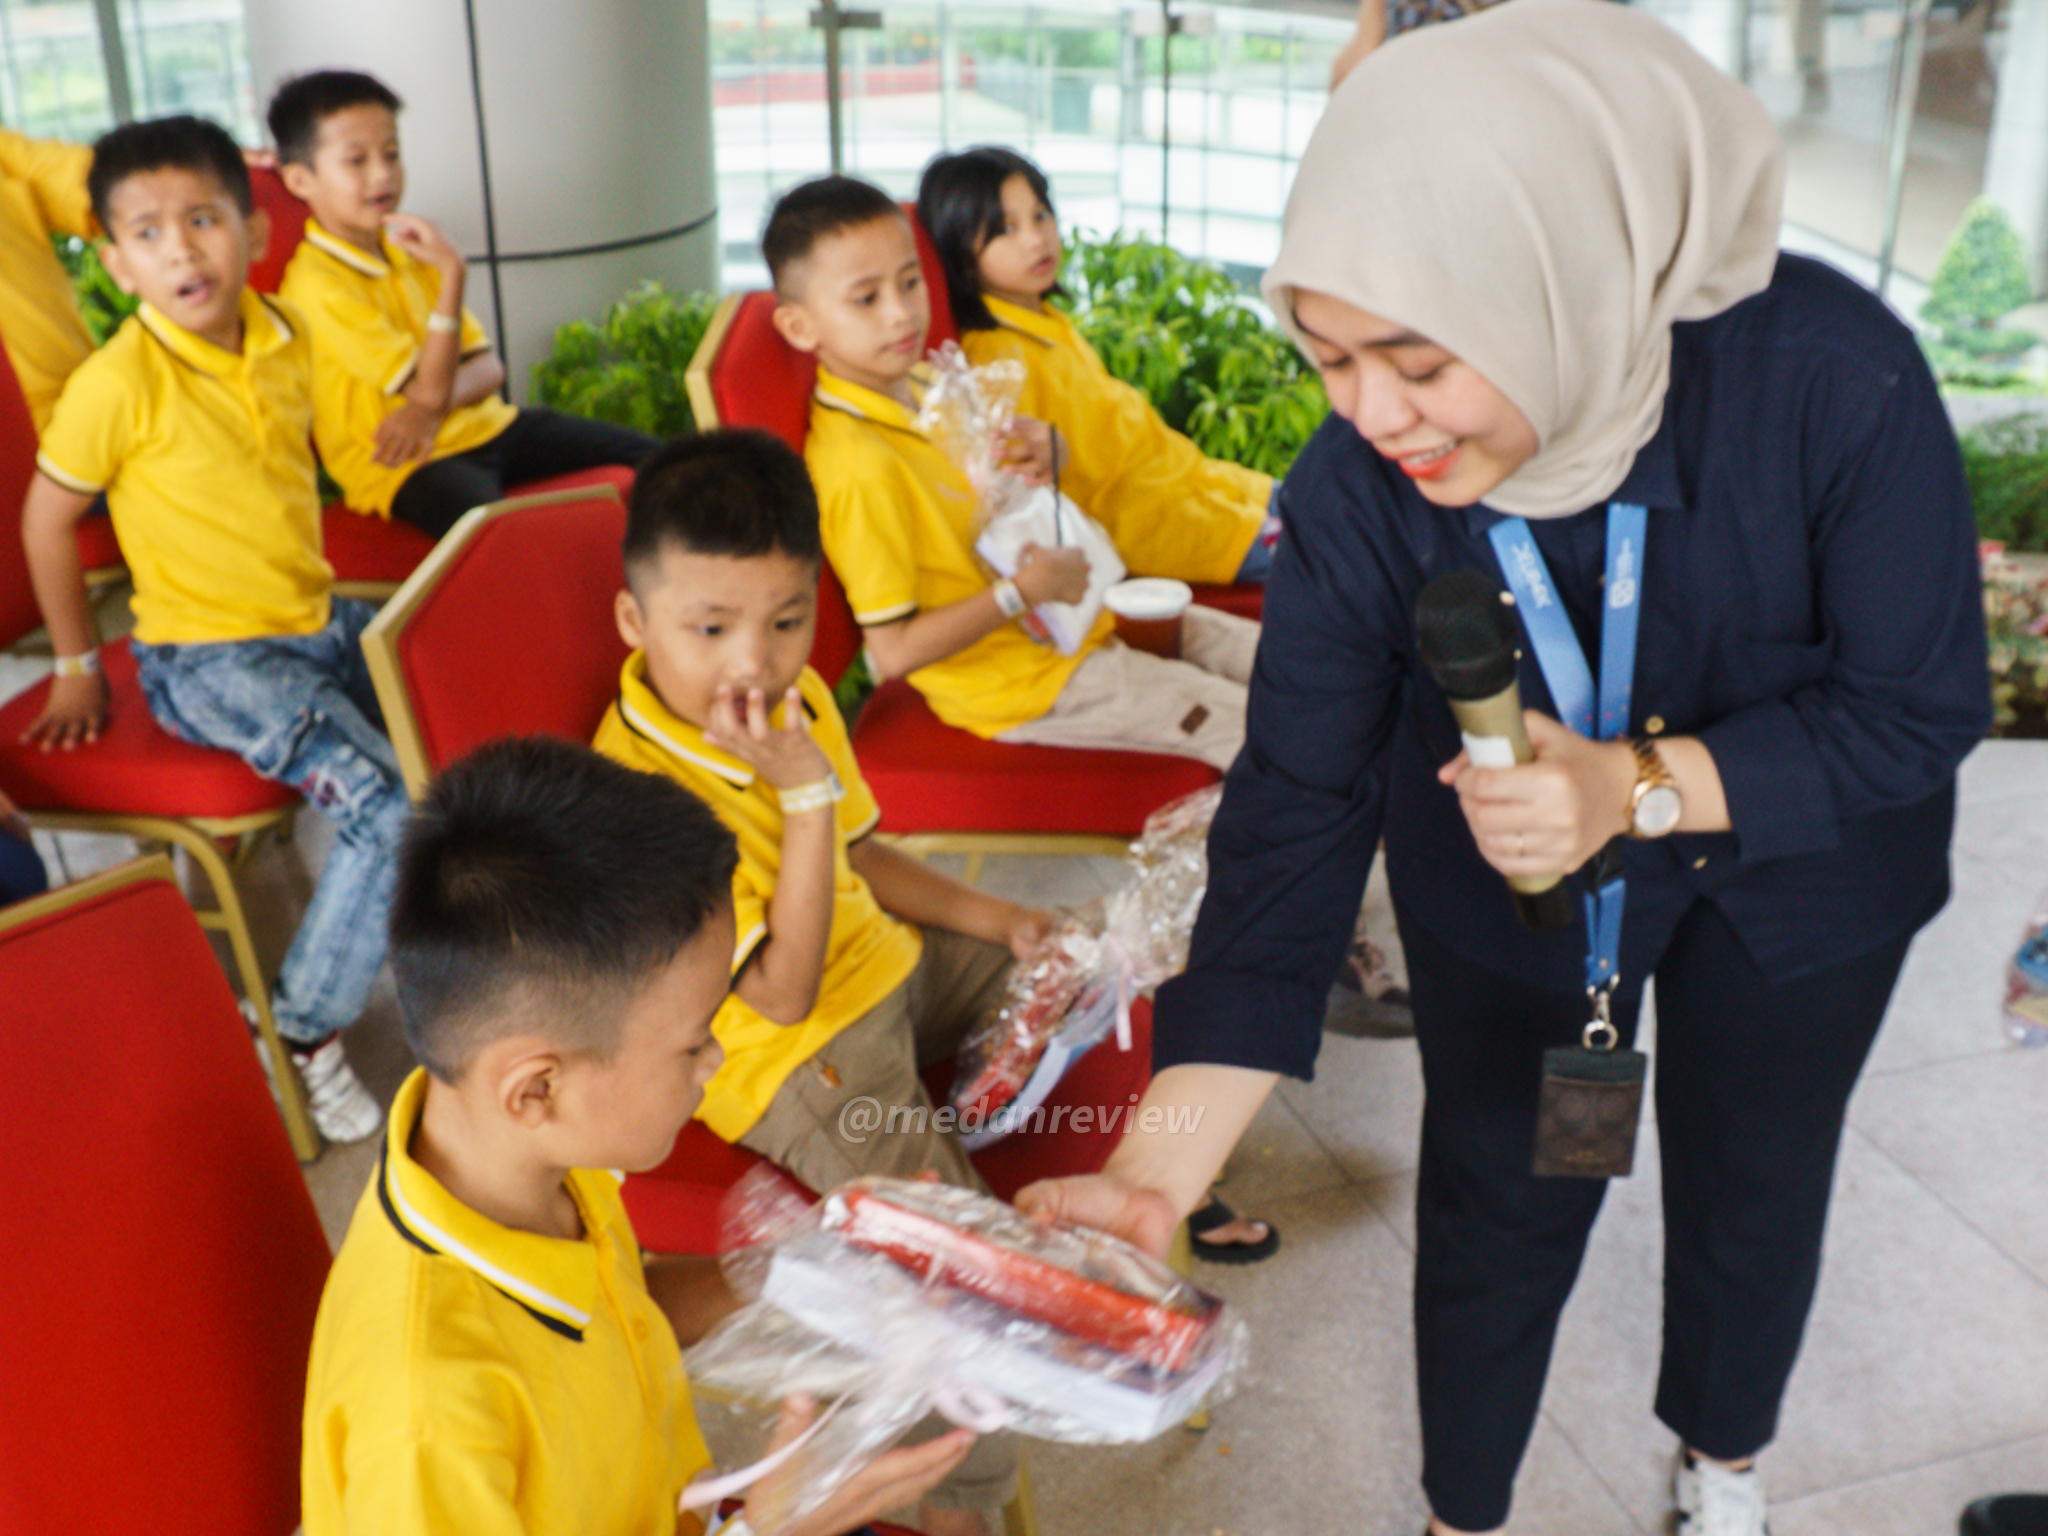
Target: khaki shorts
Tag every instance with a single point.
(857, 1106)
(875, 1058)
(1137, 702)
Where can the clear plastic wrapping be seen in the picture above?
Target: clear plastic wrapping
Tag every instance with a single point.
(1067, 996)
(892, 1298)
(968, 412)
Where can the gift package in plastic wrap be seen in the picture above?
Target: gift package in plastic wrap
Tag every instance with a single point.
(893, 1298)
(1069, 994)
(2026, 982)
(968, 412)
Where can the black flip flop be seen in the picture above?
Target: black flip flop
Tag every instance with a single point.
(1216, 1214)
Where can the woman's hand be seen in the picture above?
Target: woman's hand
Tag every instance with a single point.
(1142, 1217)
(1550, 816)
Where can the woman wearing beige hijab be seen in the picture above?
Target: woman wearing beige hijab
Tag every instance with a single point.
(1534, 256)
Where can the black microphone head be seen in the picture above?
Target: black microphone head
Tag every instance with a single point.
(1466, 635)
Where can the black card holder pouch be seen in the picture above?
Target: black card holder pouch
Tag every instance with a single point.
(1587, 1110)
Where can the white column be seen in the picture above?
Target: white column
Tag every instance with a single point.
(593, 121)
(2016, 175)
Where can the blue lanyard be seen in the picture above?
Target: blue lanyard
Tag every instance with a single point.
(1603, 712)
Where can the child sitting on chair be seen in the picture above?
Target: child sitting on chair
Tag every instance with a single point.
(492, 1351)
(854, 964)
(407, 417)
(900, 519)
(1172, 510)
(195, 421)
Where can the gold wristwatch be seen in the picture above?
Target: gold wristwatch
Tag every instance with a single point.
(1654, 805)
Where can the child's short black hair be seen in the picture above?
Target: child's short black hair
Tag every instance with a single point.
(306, 101)
(183, 143)
(807, 213)
(741, 492)
(960, 205)
(539, 876)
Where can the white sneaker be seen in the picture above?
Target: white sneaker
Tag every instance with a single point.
(1717, 1501)
(343, 1109)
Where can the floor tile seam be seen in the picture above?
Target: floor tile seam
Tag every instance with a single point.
(1994, 1048)
(1334, 1154)
(1546, 1416)
(1385, 1217)
(1914, 1468)
(2026, 1270)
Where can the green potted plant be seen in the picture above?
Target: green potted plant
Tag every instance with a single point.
(1982, 278)
(628, 367)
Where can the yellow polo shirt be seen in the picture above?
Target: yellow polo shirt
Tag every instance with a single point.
(208, 469)
(369, 318)
(469, 1377)
(1172, 510)
(42, 192)
(868, 953)
(899, 521)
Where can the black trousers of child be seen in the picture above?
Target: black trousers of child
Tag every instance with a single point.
(540, 443)
(1752, 1081)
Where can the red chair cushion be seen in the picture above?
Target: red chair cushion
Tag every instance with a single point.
(136, 768)
(287, 228)
(361, 547)
(1247, 602)
(517, 637)
(929, 777)
(98, 549)
(759, 380)
(19, 614)
(164, 1262)
(679, 1207)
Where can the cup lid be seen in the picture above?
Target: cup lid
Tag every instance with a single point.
(1149, 597)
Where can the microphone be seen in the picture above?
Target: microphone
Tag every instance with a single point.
(1467, 638)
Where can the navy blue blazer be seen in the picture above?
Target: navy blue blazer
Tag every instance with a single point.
(1812, 611)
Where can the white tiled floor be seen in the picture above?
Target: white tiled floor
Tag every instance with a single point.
(1925, 1376)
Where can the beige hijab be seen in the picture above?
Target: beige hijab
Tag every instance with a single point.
(1542, 188)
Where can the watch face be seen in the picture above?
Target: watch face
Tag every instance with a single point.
(1658, 810)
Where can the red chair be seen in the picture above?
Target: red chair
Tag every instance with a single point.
(164, 1261)
(941, 789)
(451, 675)
(136, 781)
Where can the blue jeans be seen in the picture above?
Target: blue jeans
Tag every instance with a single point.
(300, 709)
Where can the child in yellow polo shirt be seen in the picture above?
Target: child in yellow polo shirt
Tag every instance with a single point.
(900, 519)
(493, 1354)
(852, 964)
(194, 420)
(899, 522)
(407, 414)
(1172, 510)
(42, 193)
